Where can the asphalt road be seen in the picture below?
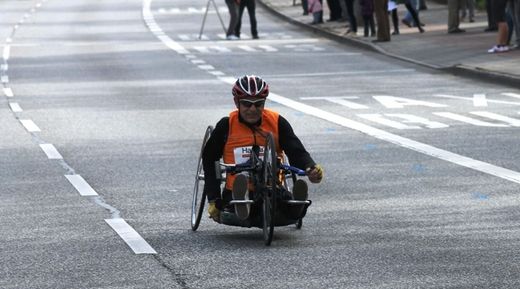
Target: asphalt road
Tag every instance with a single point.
(104, 108)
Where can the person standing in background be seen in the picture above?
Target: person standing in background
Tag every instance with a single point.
(250, 4)
(453, 16)
(233, 17)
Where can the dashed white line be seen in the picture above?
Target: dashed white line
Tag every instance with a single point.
(51, 152)
(4, 79)
(197, 61)
(130, 236)
(81, 185)
(29, 125)
(206, 67)
(8, 92)
(217, 73)
(268, 48)
(247, 48)
(15, 107)
(4, 67)
(377, 118)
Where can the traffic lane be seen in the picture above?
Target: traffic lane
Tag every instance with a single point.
(51, 236)
(377, 202)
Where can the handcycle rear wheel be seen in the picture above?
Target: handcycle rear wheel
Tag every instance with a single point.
(270, 182)
(197, 204)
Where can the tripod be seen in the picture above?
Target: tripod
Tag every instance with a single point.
(206, 14)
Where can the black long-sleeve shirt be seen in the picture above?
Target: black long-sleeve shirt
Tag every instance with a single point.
(289, 143)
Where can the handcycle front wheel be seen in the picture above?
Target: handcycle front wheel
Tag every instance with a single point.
(197, 204)
(270, 182)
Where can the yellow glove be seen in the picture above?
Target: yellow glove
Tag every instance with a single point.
(214, 212)
(315, 174)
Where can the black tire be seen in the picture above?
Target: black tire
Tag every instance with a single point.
(197, 204)
(270, 182)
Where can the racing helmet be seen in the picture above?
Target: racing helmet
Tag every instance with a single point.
(250, 86)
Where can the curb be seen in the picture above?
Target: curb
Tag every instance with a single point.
(458, 70)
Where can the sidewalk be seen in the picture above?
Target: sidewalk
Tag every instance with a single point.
(462, 54)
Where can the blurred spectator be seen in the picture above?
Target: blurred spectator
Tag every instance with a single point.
(304, 6)
(392, 9)
(367, 11)
(335, 10)
(499, 13)
(492, 24)
(408, 17)
(453, 16)
(314, 7)
(352, 30)
(250, 4)
(515, 7)
(469, 5)
(233, 17)
(414, 14)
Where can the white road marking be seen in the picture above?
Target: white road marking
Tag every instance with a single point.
(81, 185)
(268, 48)
(8, 40)
(51, 152)
(469, 120)
(479, 99)
(197, 61)
(130, 236)
(378, 118)
(29, 125)
(8, 92)
(4, 67)
(409, 118)
(217, 73)
(206, 67)
(384, 135)
(341, 100)
(6, 52)
(339, 73)
(221, 49)
(400, 102)
(15, 107)
(247, 48)
(201, 49)
(515, 95)
(150, 22)
(511, 121)
(471, 99)
(5, 79)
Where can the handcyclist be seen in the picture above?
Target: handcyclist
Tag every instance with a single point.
(235, 135)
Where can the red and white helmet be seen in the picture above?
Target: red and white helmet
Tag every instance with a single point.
(250, 86)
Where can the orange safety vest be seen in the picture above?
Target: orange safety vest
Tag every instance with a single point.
(241, 139)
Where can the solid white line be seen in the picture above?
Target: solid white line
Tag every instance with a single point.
(8, 92)
(15, 107)
(511, 121)
(81, 185)
(130, 236)
(29, 125)
(389, 137)
(515, 95)
(150, 22)
(51, 152)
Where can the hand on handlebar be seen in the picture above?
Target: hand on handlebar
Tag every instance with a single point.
(315, 173)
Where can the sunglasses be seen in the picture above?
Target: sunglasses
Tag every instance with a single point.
(248, 103)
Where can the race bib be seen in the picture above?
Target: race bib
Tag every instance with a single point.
(242, 154)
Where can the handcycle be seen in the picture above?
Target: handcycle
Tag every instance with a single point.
(270, 195)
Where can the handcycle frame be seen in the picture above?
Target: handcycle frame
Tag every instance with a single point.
(269, 180)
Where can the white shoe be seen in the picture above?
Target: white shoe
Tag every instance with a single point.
(499, 49)
(232, 37)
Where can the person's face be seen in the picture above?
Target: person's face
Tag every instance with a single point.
(251, 109)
